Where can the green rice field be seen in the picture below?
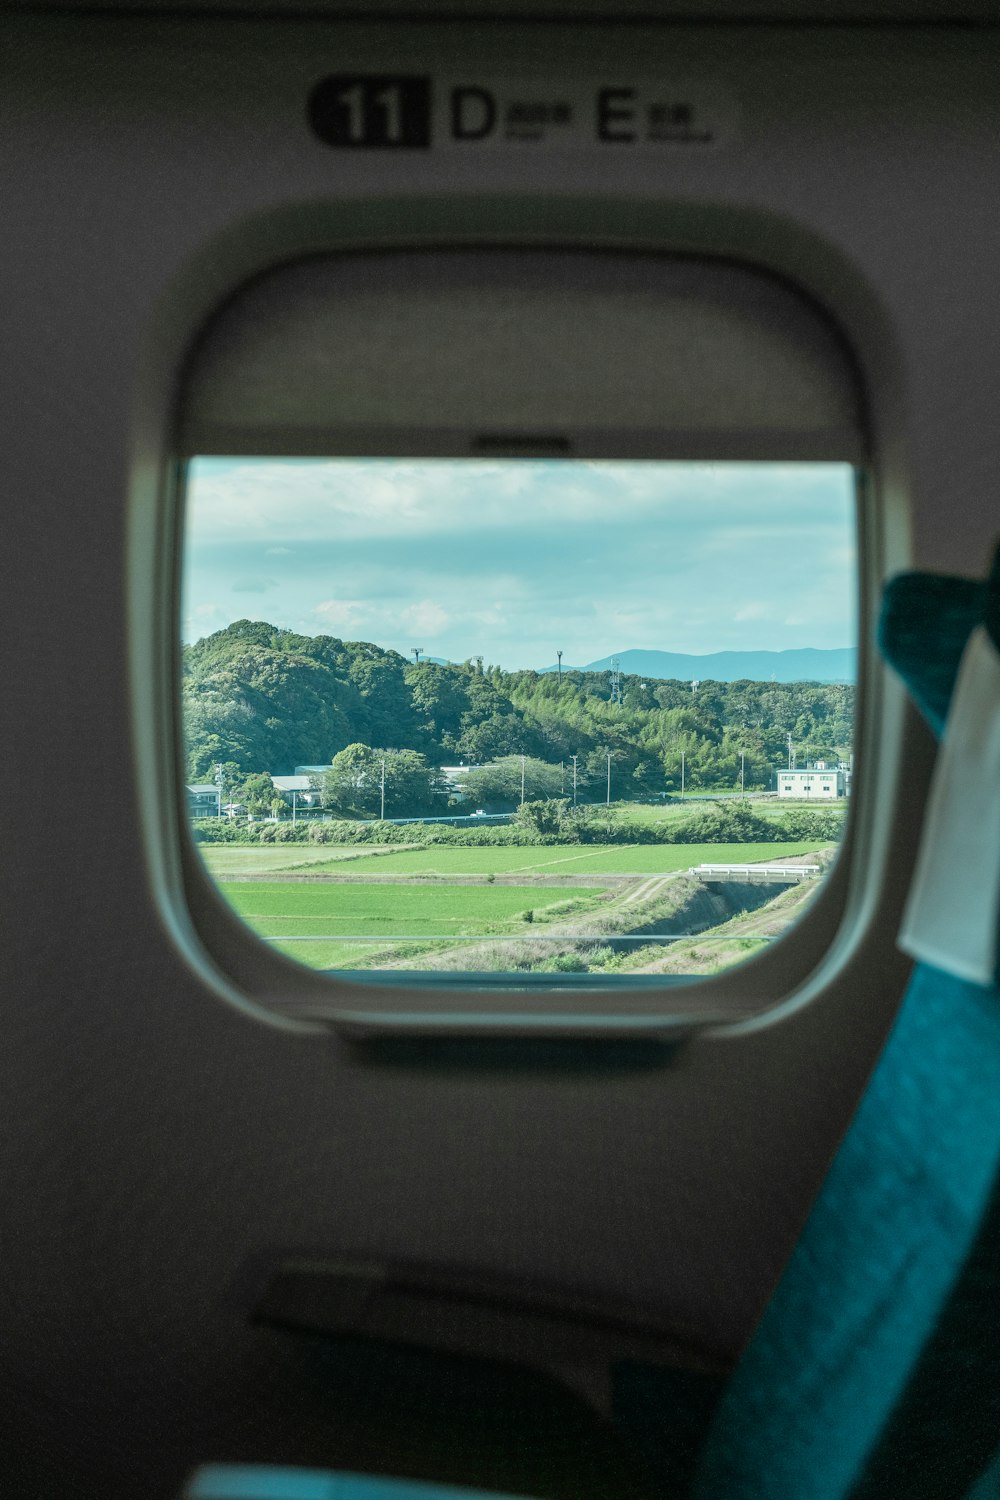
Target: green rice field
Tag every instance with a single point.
(418, 914)
(438, 895)
(384, 911)
(259, 859)
(443, 860)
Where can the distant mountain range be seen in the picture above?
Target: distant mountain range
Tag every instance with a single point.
(806, 664)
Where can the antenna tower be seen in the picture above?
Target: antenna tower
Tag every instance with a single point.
(616, 680)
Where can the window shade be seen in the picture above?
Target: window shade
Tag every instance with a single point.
(472, 351)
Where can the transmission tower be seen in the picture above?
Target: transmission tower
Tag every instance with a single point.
(616, 680)
(416, 652)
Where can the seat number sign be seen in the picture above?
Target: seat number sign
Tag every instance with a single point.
(390, 112)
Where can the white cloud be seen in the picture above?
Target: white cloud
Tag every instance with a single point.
(512, 559)
(275, 500)
(427, 617)
(494, 616)
(342, 614)
(203, 619)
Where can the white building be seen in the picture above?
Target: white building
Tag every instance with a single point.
(203, 800)
(819, 783)
(298, 791)
(454, 778)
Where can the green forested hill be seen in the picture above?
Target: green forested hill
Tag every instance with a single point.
(257, 698)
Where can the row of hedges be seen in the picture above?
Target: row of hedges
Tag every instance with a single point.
(339, 831)
(734, 823)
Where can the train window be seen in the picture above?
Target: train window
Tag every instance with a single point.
(519, 617)
(518, 715)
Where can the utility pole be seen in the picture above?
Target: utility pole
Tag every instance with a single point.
(742, 761)
(218, 791)
(609, 779)
(562, 776)
(295, 803)
(791, 752)
(522, 780)
(559, 655)
(574, 780)
(682, 773)
(382, 808)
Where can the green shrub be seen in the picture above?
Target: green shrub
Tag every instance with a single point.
(547, 815)
(805, 823)
(224, 831)
(569, 963)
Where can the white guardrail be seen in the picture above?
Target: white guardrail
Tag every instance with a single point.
(766, 872)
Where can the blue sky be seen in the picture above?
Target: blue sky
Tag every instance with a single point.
(512, 559)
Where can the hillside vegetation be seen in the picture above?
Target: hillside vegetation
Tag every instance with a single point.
(261, 699)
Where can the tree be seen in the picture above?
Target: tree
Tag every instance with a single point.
(496, 737)
(500, 782)
(647, 778)
(256, 793)
(546, 816)
(353, 785)
(265, 709)
(386, 709)
(264, 699)
(439, 699)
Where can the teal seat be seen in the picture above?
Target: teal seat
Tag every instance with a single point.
(898, 1213)
(277, 1482)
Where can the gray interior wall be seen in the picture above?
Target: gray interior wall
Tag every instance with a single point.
(153, 1136)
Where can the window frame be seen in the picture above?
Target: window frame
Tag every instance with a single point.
(261, 982)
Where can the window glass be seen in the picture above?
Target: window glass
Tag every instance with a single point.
(518, 716)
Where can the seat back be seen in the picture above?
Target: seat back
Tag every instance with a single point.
(899, 1210)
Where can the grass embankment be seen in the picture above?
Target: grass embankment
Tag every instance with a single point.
(594, 941)
(572, 936)
(724, 945)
